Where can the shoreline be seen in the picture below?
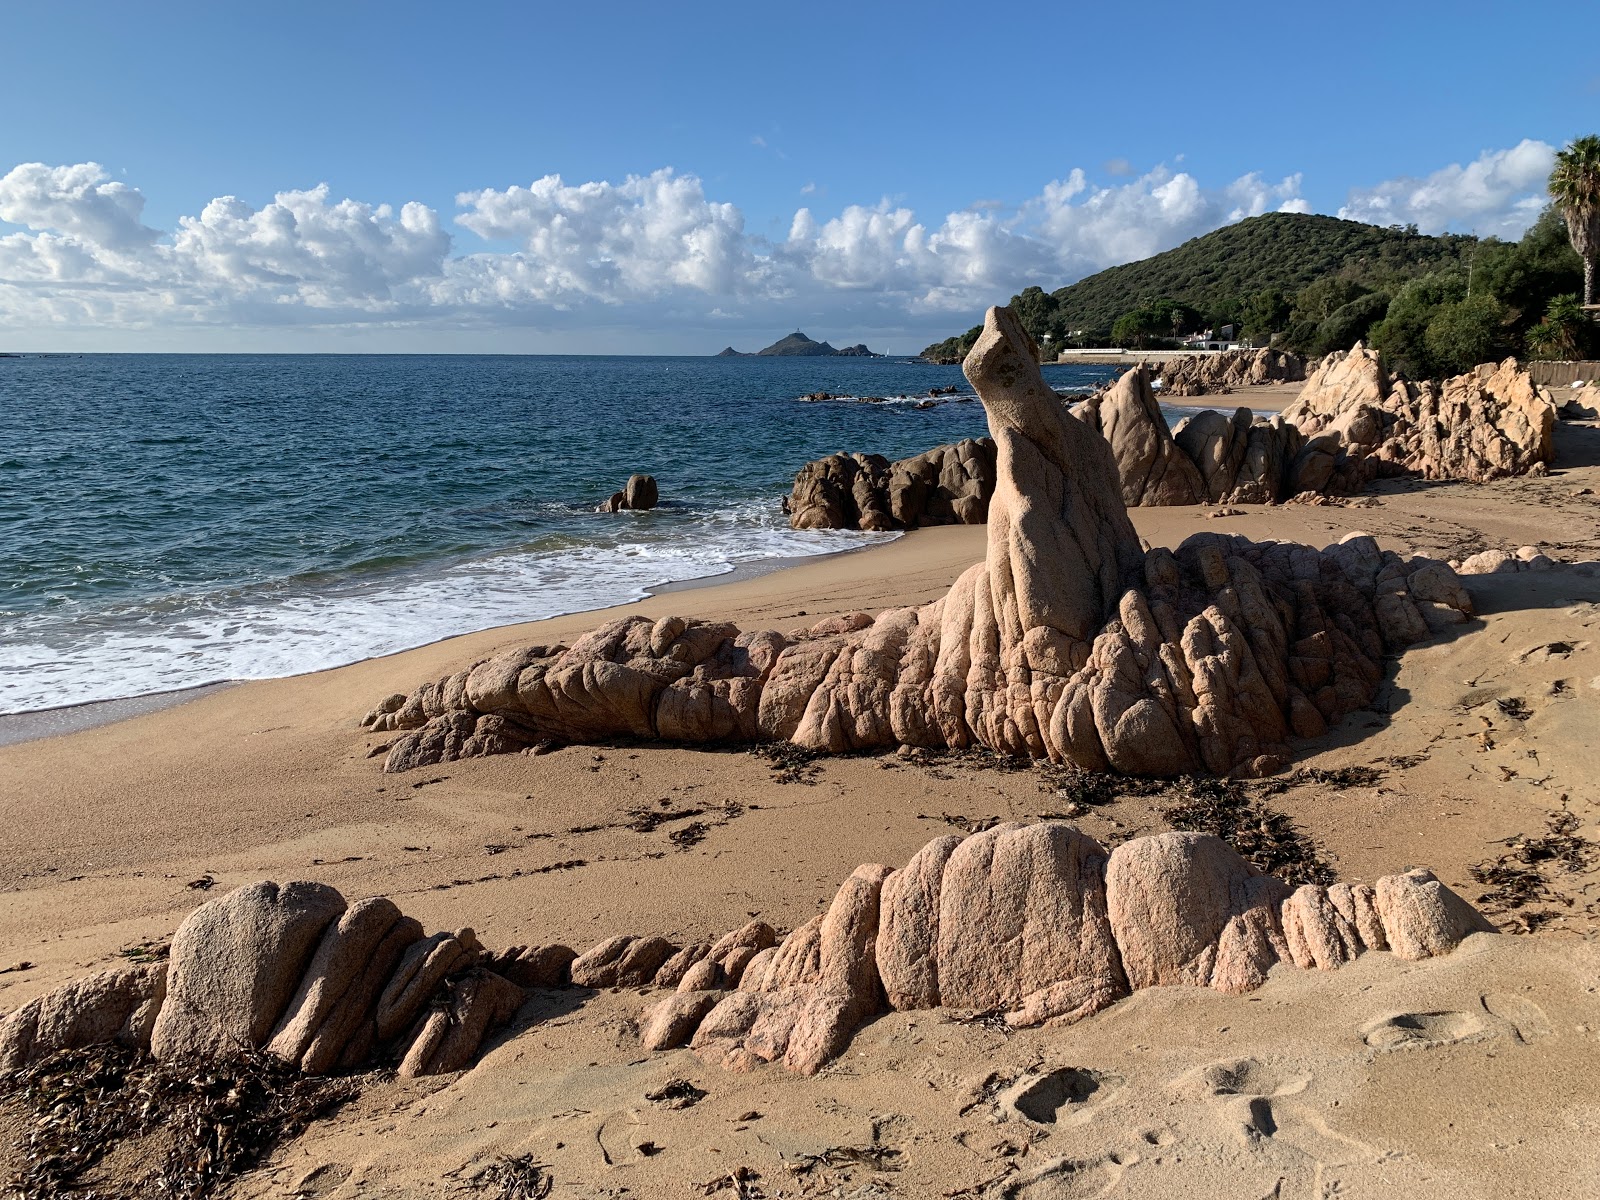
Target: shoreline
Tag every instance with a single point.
(60, 720)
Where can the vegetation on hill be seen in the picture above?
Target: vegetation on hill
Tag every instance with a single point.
(1431, 306)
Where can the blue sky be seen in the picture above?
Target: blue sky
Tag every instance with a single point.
(348, 176)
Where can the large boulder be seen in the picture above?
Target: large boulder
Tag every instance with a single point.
(639, 494)
(1488, 423)
(948, 485)
(1039, 923)
(339, 991)
(236, 964)
(1154, 470)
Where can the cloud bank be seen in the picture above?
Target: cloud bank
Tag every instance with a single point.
(653, 250)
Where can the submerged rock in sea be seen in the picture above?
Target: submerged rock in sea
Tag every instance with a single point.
(1068, 642)
(639, 494)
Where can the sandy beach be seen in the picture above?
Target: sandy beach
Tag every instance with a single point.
(1469, 1075)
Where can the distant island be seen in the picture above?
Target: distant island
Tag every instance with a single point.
(798, 345)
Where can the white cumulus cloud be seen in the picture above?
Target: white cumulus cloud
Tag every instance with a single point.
(1500, 192)
(652, 251)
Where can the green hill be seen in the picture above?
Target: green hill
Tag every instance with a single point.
(1219, 274)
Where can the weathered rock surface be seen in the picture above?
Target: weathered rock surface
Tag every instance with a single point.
(948, 485)
(119, 1005)
(449, 1036)
(236, 963)
(1185, 908)
(639, 494)
(1023, 926)
(1067, 642)
(1205, 374)
(1351, 424)
(1037, 922)
(1154, 470)
(339, 990)
(1488, 423)
(287, 967)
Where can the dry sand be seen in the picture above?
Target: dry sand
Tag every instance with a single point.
(1473, 1075)
(1264, 397)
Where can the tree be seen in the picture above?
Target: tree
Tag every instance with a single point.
(1461, 335)
(1565, 332)
(1137, 328)
(1349, 323)
(1401, 337)
(1575, 189)
(1265, 313)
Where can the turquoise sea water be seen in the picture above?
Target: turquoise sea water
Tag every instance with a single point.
(173, 520)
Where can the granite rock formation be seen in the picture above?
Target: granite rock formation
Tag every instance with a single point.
(1488, 423)
(1069, 641)
(292, 970)
(1154, 470)
(1040, 924)
(1036, 922)
(1207, 374)
(639, 494)
(1351, 424)
(948, 485)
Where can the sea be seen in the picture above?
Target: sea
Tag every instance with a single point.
(170, 521)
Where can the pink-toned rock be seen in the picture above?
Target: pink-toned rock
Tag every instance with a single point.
(673, 971)
(449, 1037)
(118, 1005)
(908, 927)
(1154, 470)
(705, 976)
(597, 966)
(673, 1021)
(423, 966)
(847, 990)
(1423, 918)
(1316, 931)
(1185, 908)
(236, 963)
(1067, 642)
(1022, 911)
(331, 980)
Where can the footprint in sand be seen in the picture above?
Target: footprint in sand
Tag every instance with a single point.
(1426, 1030)
(1527, 1020)
(1243, 1090)
(1062, 1095)
(322, 1180)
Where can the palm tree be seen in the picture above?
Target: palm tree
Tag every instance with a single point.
(1575, 188)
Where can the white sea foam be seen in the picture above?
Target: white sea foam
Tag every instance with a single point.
(278, 630)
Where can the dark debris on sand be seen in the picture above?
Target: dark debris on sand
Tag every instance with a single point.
(1227, 808)
(1265, 837)
(789, 763)
(190, 1126)
(519, 1178)
(1526, 873)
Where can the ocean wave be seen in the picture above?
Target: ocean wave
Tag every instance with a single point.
(288, 628)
